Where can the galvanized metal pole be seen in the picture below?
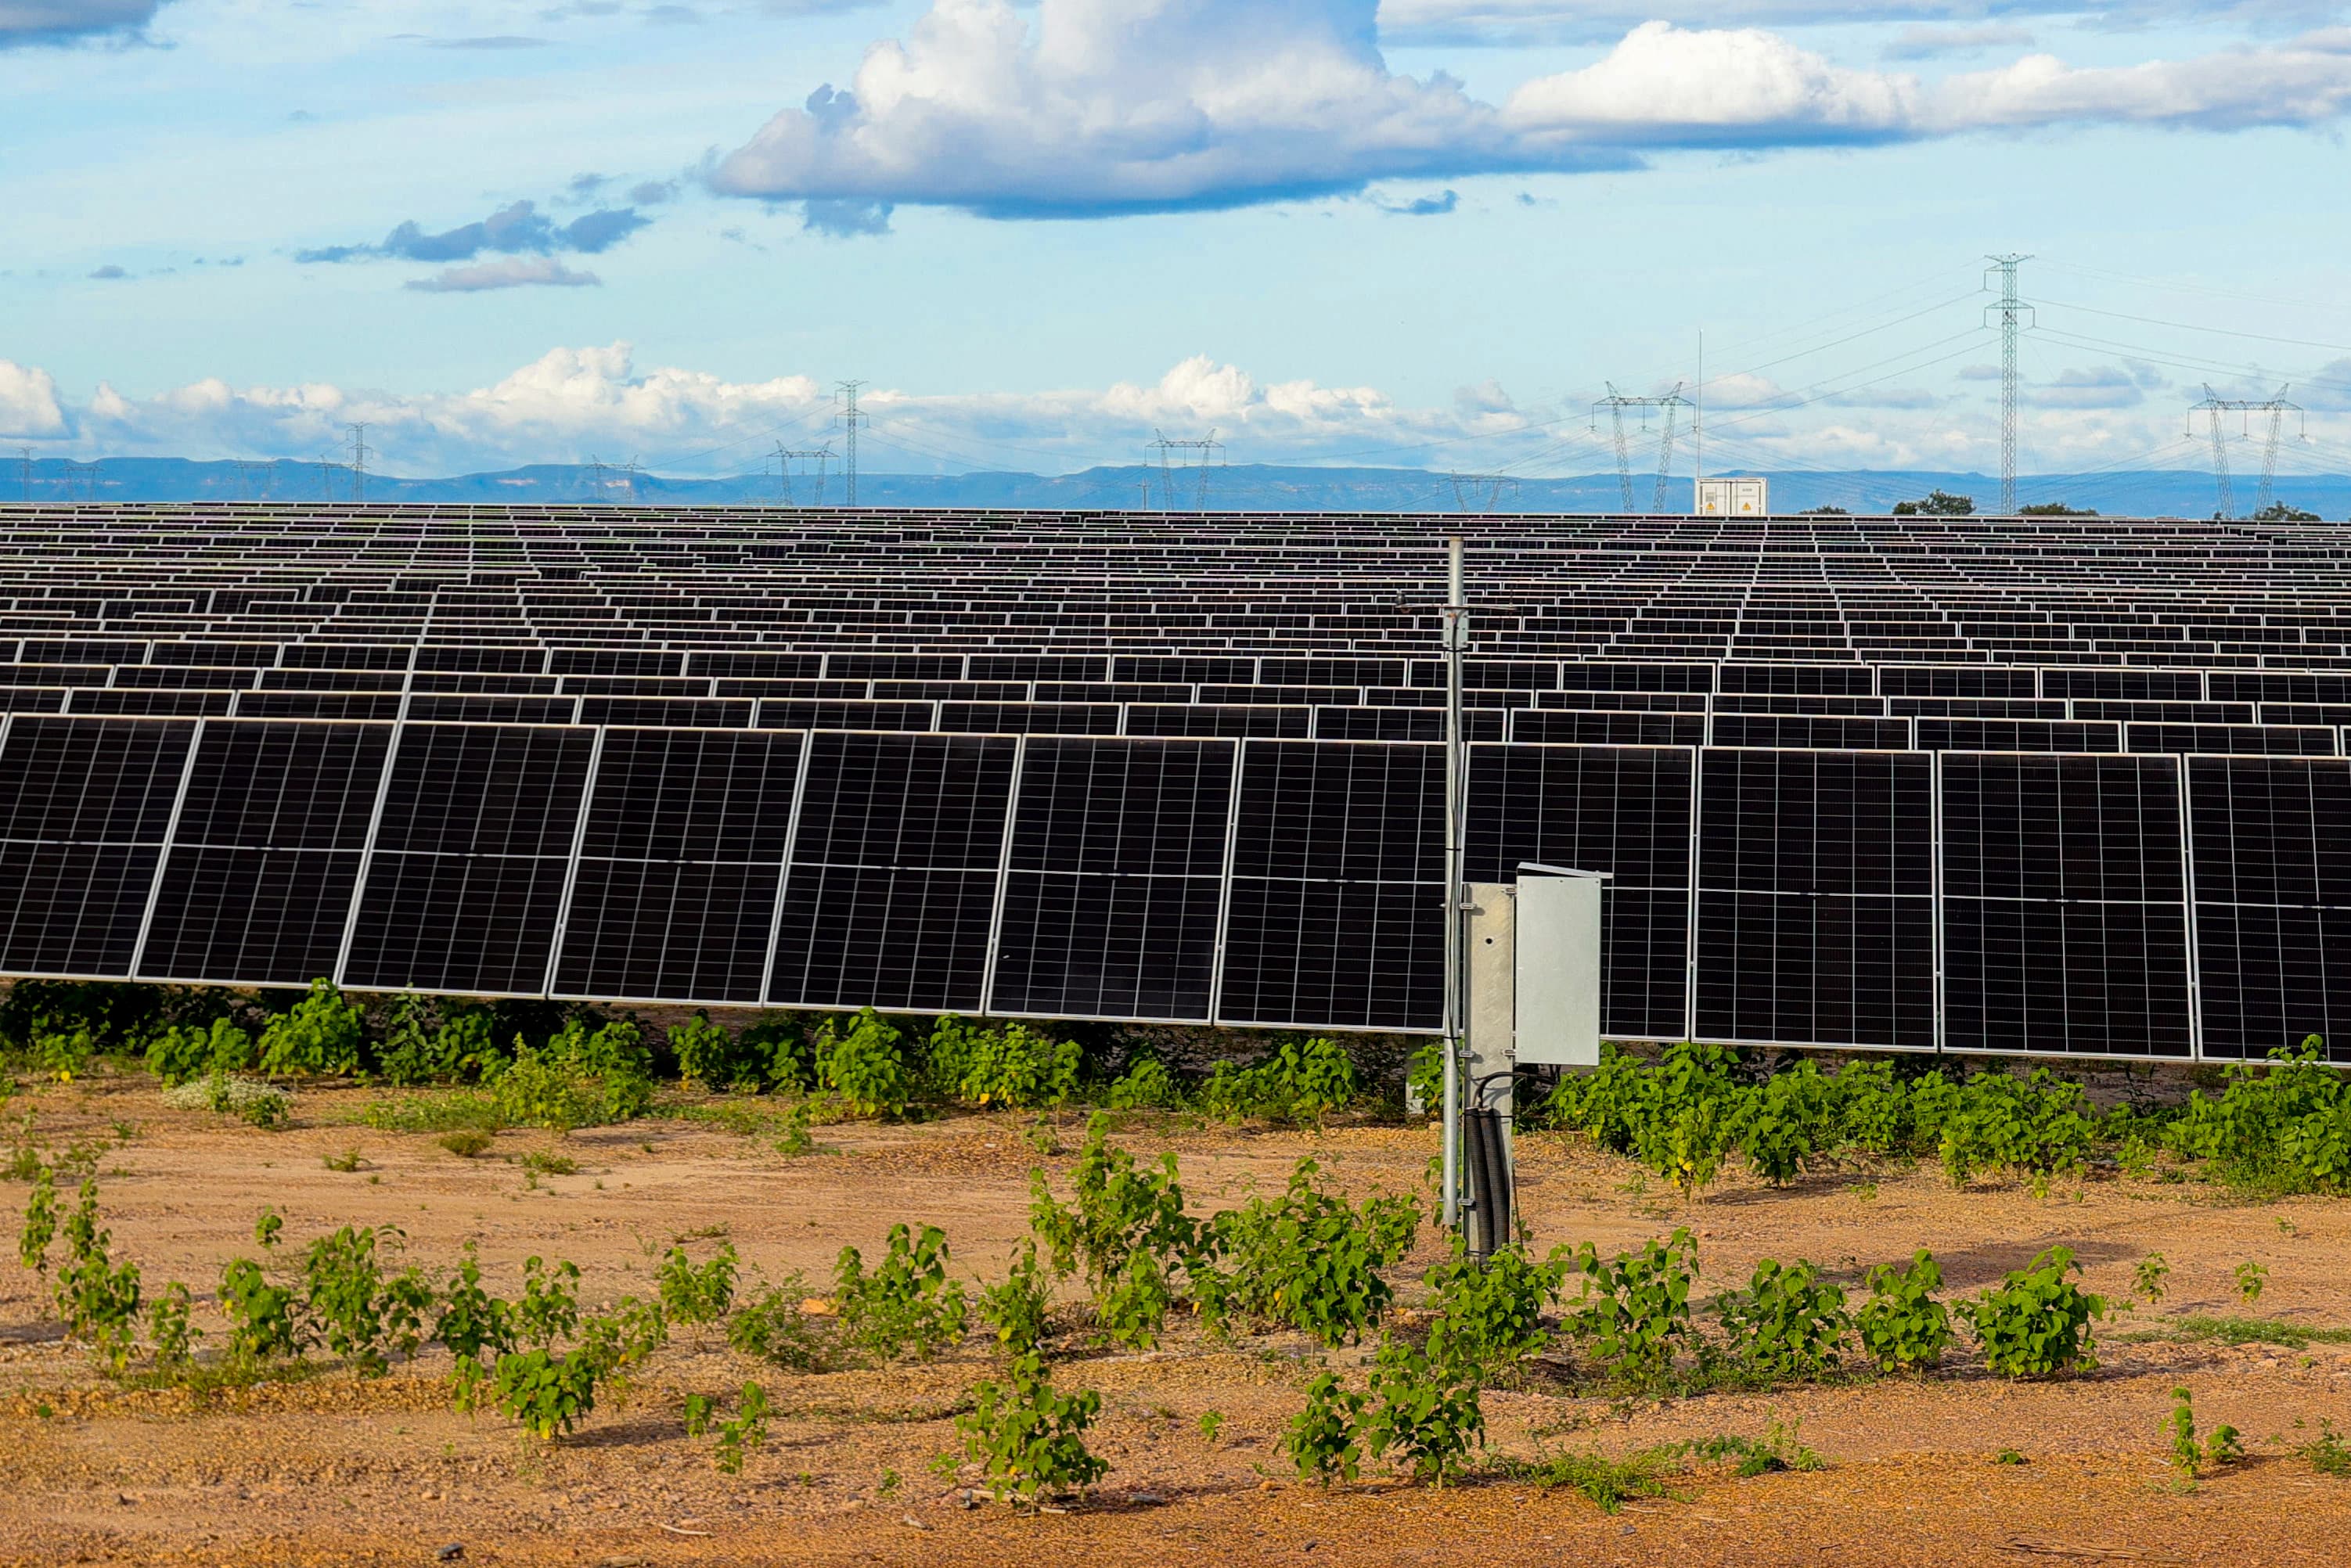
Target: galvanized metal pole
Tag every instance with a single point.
(1457, 641)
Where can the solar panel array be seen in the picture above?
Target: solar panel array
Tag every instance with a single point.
(1971, 784)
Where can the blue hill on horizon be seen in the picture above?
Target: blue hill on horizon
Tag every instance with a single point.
(1261, 488)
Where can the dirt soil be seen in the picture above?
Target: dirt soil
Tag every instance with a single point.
(334, 1470)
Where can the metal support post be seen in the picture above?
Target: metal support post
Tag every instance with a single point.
(1457, 641)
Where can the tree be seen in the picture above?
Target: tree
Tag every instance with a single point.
(2279, 512)
(1824, 512)
(2054, 509)
(1938, 504)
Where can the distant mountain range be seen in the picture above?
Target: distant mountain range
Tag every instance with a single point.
(2175, 493)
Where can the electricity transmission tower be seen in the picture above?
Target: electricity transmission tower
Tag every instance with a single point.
(1206, 447)
(1486, 489)
(24, 474)
(2213, 406)
(845, 394)
(785, 456)
(360, 455)
(1616, 403)
(2011, 313)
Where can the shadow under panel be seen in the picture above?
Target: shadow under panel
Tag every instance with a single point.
(480, 925)
(227, 915)
(687, 931)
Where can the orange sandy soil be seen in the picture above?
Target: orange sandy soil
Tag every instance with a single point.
(333, 1470)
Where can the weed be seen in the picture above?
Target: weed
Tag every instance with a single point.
(1609, 1484)
(1309, 1259)
(1126, 1228)
(907, 1304)
(1490, 1314)
(2251, 1278)
(2036, 1323)
(699, 1407)
(1016, 1308)
(1013, 1066)
(169, 1334)
(863, 1068)
(544, 1393)
(260, 1315)
(1777, 1450)
(798, 1139)
(346, 1161)
(455, 1112)
(182, 1055)
(2189, 1455)
(540, 1162)
(98, 1298)
(1301, 1082)
(774, 1329)
(465, 1143)
(2328, 1454)
(697, 1297)
(1323, 1440)
(707, 1054)
(1786, 1323)
(2009, 1457)
(1211, 1423)
(1146, 1085)
(1903, 1328)
(265, 1105)
(744, 1430)
(1027, 1438)
(362, 1316)
(1633, 1312)
(1423, 1411)
(41, 1226)
(2147, 1277)
(322, 1033)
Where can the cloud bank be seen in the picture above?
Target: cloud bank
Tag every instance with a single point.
(65, 21)
(1087, 108)
(517, 229)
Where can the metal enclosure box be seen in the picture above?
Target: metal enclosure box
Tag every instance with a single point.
(1558, 962)
(1736, 497)
(1489, 958)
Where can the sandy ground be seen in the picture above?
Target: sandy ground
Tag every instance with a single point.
(335, 1470)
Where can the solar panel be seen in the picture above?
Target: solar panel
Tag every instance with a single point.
(680, 859)
(1815, 921)
(85, 805)
(891, 895)
(2270, 850)
(1336, 910)
(2064, 920)
(1115, 880)
(463, 887)
(1621, 810)
(257, 887)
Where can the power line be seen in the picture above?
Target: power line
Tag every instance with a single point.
(1206, 447)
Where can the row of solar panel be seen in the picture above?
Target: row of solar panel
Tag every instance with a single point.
(2113, 905)
(268, 665)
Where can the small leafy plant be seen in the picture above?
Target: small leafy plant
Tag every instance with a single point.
(2147, 1277)
(697, 1296)
(1309, 1259)
(2250, 1278)
(774, 1329)
(864, 1068)
(2037, 1322)
(906, 1304)
(1634, 1313)
(1029, 1440)
(1902, 1327)
(1323, 1441)
(2190, 1455)
(744, 1430)
(1787, 1323)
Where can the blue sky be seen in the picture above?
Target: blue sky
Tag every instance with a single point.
(1429, 233)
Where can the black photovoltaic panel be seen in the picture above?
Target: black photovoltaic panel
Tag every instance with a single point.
(2064, 923)
(1421, 724)
(484, 684)
(1191, 671)
(893, 666)
(1956, 681)
(679, 863)
(436, 708)
(2016, 735)
(1585, 727)
(1331, 671)
(482, 659)
(257, 887)
(1815, 899)
(465, 887)
(1040, 667)
(2272, 686)
(2332, 714)
(1811, 731)
(1115, 691)
(1826, 680)
(183, 678)
(1603, 675)
(1207, 719)
(713, 713)
(33, 699)
(1116, 875)
(850, 691)
(319, 705)
(2270, 847)
(343, 656)
(951, 691)
(1626, 702)
(794, 713)
(332, 680)
(2165, 713)
(1621, 810)
(891, 893)
(1030, 718)
(1836, 705)
(150, 704)
(1977, 707)
(84, 806)
(1337, 902)
(2231, 739)
(750, 666)
(2127, 685)
(614, 662)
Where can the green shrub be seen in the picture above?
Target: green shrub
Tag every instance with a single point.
(359, 1314)
(1017, 1066)
(697, 1297)
(64, 1051)
(98, 1298)
(1677, 1118)
(1309, 1259)
(1634, 1314)
(41, 1226)
(1324, 1440)
(1903, 1328)
(2283, 1125)
(181, 1055)
(1783, 1124)
(263, 1104)
(545, 1392)
(1146, 1085)
(1869, 1110)
(461, 1046)
(863, 1068)
(2025, 1126)
(2036, 1323)
(1787, 1323)
(1490, 1314)
(1302, 1082)
(779, 1043)
(774, 1329)
(1424, 1081)
(1016, 1308)
(320, 1034)
(907, 1304)
(744, 1430)
(472, 1325)
(1126, 1230)
(947, 1054)
(168, 1334)
(1029, 1440)
(2189, 1455)
(1423, 1412)
(709, 1056)
(261, 1325)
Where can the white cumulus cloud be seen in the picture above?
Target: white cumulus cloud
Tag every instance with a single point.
(29, 402)
(511, 272)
